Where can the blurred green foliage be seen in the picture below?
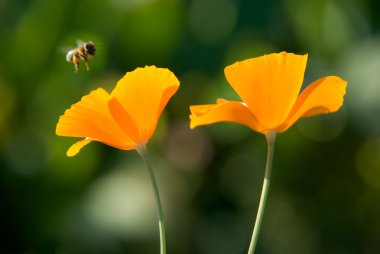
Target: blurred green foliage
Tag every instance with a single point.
(325, 193)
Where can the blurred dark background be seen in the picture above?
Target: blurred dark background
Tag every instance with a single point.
(325, 192)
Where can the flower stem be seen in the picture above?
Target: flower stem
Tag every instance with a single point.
(271, 137)
(142, 151)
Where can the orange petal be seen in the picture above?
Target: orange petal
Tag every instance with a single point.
(74, 149)
(91, 119)
(123, 119)
(223, 111)
(322, 96)
(144, 93)
(269, 85)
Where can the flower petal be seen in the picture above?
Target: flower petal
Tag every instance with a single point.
(223, 111)
(144, 93)
(123, 119)
(269, 85)
(322, 96)
(91, 119)
(76, 147)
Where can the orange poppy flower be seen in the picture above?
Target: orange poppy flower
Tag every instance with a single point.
(269, 86)
(126, 118)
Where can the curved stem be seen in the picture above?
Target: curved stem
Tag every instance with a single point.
(144, 155)
(271, 137)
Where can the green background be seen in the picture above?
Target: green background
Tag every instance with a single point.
(325, 192)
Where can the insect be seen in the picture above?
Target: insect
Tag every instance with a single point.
(84, 51)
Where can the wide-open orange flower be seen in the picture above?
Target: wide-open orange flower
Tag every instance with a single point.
(124, 119)
(269, 87)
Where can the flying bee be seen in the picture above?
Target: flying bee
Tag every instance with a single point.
(84, 51)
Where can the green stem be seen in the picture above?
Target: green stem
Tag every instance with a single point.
(271, 137)
(144, 155)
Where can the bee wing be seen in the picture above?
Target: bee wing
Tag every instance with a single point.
(63, 50)
(68, 51)
(79, 42)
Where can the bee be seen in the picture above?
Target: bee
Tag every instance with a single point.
(84, 51)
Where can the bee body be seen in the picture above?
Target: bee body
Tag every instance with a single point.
(83, 52)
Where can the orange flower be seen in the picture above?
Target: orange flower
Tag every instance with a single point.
(269, 86)
(124, 119)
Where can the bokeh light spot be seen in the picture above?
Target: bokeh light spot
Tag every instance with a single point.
(122, 202)
(360, 67)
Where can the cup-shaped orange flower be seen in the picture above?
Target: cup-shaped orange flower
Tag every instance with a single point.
(124, 119)
(269, 87)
